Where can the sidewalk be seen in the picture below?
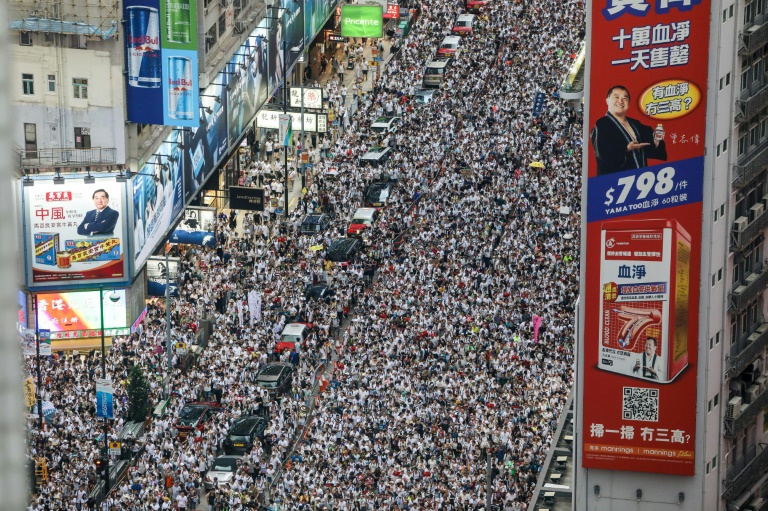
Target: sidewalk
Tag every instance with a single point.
(349, 74)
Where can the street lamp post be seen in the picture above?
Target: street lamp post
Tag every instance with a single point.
(39, 391)
(285, 111)
(104, 375)
(168, 344)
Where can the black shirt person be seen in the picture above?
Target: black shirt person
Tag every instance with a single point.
(620, 142)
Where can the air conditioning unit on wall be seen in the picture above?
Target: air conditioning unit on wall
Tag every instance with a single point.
(734, 408)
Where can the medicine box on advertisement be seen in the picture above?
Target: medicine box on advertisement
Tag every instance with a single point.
(645, 271)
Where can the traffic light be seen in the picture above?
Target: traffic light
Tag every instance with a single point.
(100, 464)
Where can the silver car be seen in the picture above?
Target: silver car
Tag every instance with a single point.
(223, 470)
(424, 96)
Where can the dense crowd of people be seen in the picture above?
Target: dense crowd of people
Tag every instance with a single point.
(438, 364)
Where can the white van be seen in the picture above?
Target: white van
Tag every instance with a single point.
(435, 72)
(293, 337)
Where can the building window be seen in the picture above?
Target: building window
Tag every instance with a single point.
(81, 88)
(82, 138)
(51, 83)
(744, 79)
(222, 24)
(730, 11)
(725, 145)
(30, 139)
(210, 38)
(727, 79)
(742, 144)
(27, 84)
(25, 38)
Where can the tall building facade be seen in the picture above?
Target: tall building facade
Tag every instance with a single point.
(728, 468)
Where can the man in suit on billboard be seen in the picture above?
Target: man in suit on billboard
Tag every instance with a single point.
(100, 221)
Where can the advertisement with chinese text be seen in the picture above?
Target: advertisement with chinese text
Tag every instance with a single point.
(161, 62)
(75, 232)
(81, 311)
(646, 123)
(158, 198)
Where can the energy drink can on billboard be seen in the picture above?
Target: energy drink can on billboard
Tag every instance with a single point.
(180, 88)
(143, 47)
(178, 21)
(645, 279)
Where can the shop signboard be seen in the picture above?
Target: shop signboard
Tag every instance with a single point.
(361, 20)
(313, 98)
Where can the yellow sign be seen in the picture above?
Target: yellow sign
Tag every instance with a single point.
(114, 445)
(29, 392)
(670, 99)
(315, 248)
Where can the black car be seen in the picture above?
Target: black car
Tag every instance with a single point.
(343, 250)
(243, 433)
(194, 416)
(319, 292)
(377, 194)
(276, 377)
(315, 222)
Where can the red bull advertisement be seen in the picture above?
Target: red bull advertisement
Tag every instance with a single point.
(161, 57)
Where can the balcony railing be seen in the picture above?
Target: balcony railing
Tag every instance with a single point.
(68, 157)
(741, 239)
(752, 100)
(747, 415)
(749, 288)
(754, 36)
(746, 351)
(735, 484)
(750, 166)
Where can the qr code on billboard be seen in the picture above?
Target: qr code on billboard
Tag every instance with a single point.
(640, 404)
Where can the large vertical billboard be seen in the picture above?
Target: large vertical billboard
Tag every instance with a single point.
(205, 145)
(247, 73)
(293, 19)
(161, 61)
(641, 270)
(158, 198)
(74, 232)
(317, 12)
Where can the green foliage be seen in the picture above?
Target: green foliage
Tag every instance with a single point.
(138, 395)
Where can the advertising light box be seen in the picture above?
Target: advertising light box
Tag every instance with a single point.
(161, 61)
(81, 310)
(75, 232)
(641, 270)
(361, 20)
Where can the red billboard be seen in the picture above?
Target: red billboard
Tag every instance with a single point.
(646, 123)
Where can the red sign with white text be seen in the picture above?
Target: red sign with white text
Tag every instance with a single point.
(641, 270)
